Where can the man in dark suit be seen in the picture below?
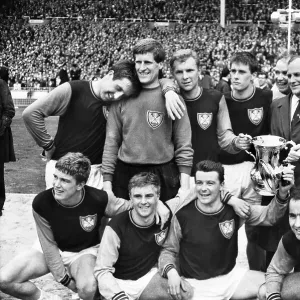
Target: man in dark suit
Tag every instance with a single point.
(285, 114)
(285, 122)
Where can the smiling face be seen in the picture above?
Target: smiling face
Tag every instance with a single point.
(208, 188)
(144, 202)
(147, 69)
(114, 90)
(186, 74)
(293, 75)
(294, 217)
(65, 187)
(281, 79)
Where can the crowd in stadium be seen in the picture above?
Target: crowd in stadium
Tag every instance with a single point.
(35, 54)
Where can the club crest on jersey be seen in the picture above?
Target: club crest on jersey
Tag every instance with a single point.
(154, 118)
(204, 119)
(161, 236)
(256, 115)
(88, 223)
(105, 111)
(227, 228)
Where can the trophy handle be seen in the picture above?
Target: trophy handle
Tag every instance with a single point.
(289, 143)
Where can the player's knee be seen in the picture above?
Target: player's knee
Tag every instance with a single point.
(5, 281)
(290, 287)
(87, 288)
(262, 292)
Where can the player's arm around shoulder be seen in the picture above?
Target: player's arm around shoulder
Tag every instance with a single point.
(116, 205)
(104, 270)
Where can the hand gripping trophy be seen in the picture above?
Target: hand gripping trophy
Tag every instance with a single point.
(267, 171)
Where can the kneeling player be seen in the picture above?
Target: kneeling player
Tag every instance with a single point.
(204, 236)
(280, 284)
(131, 243)
(67, 218)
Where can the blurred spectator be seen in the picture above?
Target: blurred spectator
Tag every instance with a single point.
(223, 86)
(75, 72)
(262, 81)
(62, 77)
(7, 112)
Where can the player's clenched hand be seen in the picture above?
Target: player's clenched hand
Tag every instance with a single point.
(243, 141)
(294, 154)
(174, 105)
(240, 206)
(174, 282)
(162, 214)
(289, 180)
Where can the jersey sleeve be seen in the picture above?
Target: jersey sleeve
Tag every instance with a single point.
(49, 247)
(116, 205)
(169, 253)
(182, 199)
(54, 104)
(281, 265)
(113, 142)
(104, 268)
(267, 215)
(226, 137)
(182, 138)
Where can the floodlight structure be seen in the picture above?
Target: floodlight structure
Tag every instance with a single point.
(286, 18)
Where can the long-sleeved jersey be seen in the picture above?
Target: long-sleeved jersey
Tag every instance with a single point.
(211, 126)
(72, 228)
(129, 251)
(140, 132)
(286, 257)
(207, 243)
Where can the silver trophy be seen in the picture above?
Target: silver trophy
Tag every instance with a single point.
(267, 170)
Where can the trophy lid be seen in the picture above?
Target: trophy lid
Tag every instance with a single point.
(268, 141)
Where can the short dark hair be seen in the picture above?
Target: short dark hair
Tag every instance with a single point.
(224, 73)
(295, 193)
(150, 45)
(211, 166)
(76, 165)
(263, 73)
(144, 179)
(126, 69)
(182, 55)
(245, 58)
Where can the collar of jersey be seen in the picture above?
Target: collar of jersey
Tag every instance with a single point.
(83, 195)
(206, 213)
(197, 97)
(246, 99)
(137, 225)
